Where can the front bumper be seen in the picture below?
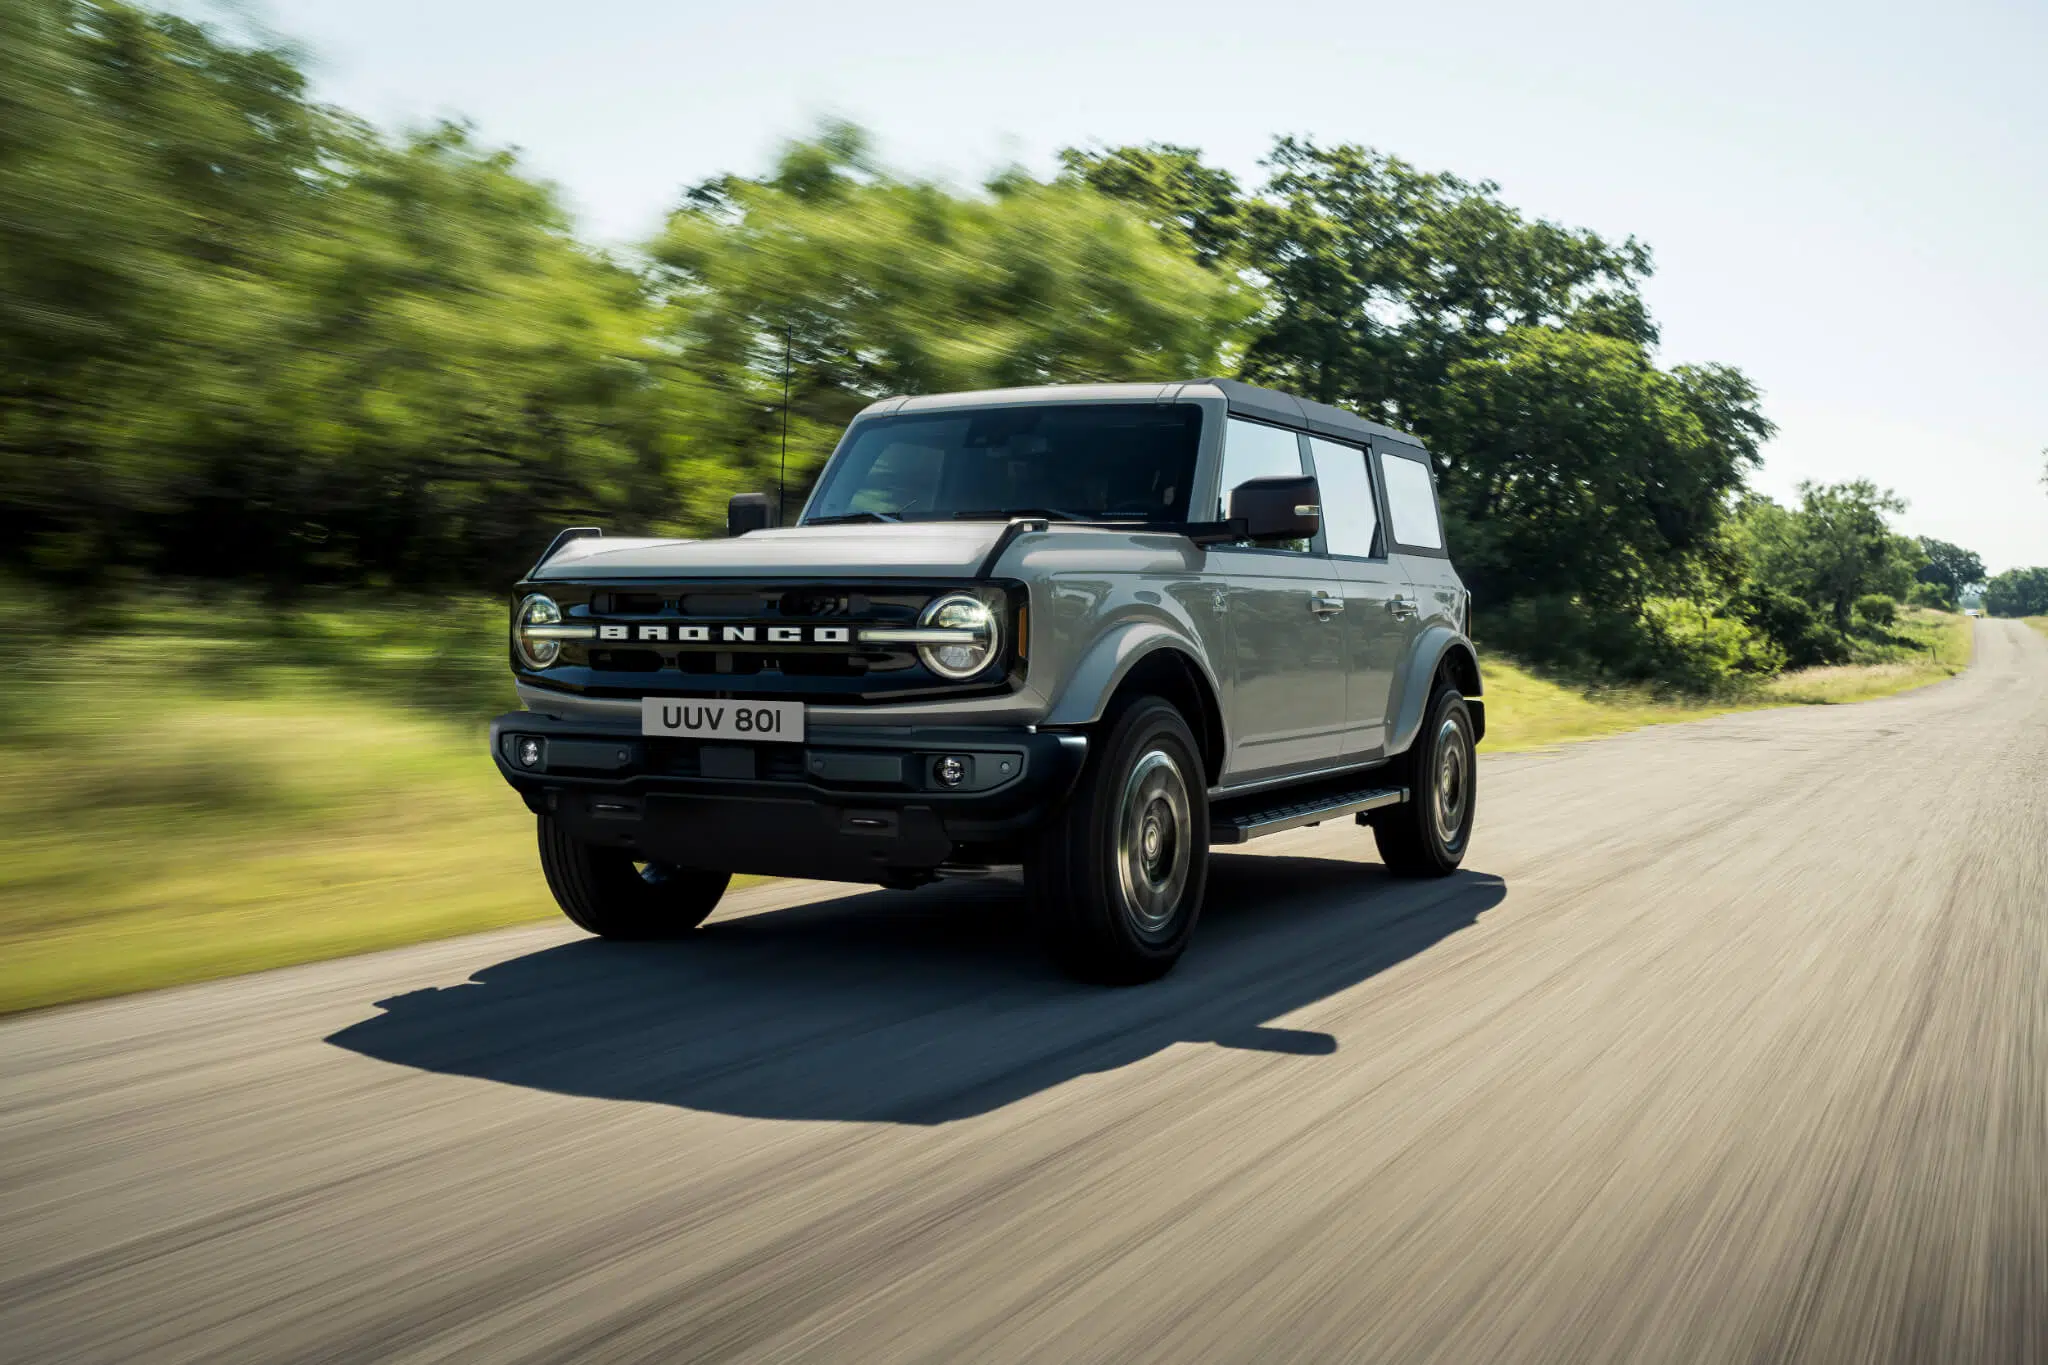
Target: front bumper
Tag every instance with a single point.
(849, 804)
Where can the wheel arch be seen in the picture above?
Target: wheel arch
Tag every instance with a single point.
(1441, 653)
(1147, 659)
(1173, 676)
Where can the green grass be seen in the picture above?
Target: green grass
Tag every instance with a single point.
(207, 789)
(1527, 711)
(198, 787)
(1934, 645)
(2039, 623)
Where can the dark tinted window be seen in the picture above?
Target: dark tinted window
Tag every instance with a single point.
(1092, 460)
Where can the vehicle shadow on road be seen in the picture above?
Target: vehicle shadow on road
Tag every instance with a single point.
(911, 1007)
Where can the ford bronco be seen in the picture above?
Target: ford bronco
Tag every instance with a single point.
(1089, 631)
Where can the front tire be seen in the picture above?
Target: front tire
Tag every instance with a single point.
(1426, 835)
(1116, 884)
(605, 892)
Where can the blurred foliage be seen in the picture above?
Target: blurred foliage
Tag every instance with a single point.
(878, 286)
(242, 335)
(247, 337)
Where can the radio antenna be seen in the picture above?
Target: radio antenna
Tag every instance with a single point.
(782, 477)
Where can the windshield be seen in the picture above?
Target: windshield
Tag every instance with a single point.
(1078, 461)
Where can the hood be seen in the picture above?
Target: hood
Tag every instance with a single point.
(932, 549)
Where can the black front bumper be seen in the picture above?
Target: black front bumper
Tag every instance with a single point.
(857, 804)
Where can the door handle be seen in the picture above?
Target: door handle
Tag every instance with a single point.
(1404, 608)
(1325, 603)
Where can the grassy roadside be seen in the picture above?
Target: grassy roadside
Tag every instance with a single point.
(202, 789)
(1527, 711)
(215, 790)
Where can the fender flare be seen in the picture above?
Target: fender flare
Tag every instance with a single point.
(1111, 659)
(1437, 644)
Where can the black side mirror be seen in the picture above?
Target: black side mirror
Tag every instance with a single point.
(748, 512)
(1284, 507)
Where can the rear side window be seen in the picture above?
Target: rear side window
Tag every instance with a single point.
(1411, 503)
(1351, 522)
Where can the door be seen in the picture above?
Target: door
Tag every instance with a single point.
(1376, 617)
(1287, 630)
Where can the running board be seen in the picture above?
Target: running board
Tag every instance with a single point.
(1239, 826)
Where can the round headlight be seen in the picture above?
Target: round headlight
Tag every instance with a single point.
(978, 639)
(536, 611)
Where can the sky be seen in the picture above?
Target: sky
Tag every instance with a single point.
(1846, 200)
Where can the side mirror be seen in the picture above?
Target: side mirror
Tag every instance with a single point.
(747, 512)
(1284, 507)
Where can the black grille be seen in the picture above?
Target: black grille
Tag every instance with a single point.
(825, 672)
(626, 660)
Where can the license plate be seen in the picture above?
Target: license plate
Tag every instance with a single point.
(771, 721)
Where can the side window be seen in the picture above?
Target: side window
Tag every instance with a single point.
(1255, 451)
(1351, 522)
(1411, 503)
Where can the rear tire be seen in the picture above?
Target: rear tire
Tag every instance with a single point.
(1426, 835)
(1119, 870)
(606, 892)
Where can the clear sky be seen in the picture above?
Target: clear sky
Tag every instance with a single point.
(1847, 200)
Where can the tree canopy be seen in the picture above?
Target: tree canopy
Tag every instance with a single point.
(244, 335)
(2018, 592)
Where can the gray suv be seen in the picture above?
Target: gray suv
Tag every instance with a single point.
(1089, 631)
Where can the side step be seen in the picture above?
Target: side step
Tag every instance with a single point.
(1238, 826)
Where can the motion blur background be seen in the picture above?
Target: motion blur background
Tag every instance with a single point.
(298, 369)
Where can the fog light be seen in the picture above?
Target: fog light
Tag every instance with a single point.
(951, 771)
(529, 753)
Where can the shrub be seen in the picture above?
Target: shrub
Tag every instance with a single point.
(1875, 612)
(1792, 623)
(1934, 595)
(1674, 642)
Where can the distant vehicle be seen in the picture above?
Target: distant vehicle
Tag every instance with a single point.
(1086, 630)
(1971, 611)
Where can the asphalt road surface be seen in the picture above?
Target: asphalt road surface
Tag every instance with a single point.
(1731, 1044)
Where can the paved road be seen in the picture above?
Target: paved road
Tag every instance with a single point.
(1731, 1045)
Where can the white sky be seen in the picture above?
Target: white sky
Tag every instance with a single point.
(1847, 202)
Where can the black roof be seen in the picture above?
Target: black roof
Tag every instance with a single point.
(1272, 405)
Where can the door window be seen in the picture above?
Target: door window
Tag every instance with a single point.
(1252, 450)
(1351, 523)
(1411, 503)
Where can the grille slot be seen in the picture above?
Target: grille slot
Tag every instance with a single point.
(811, 602)
(626, 660)
(722, 604)
(628, 604)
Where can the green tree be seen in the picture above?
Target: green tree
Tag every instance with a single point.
(1950, 569)
(2018, 592)
(1578, 474)
(1192, 203)
(244, 335)
(1835, 547)
(1575, 468)
(884, 286)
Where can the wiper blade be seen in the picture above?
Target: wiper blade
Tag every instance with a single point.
(843, 518)
(1007, 513)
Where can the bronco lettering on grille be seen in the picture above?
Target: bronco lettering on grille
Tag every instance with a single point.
(729, 634)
